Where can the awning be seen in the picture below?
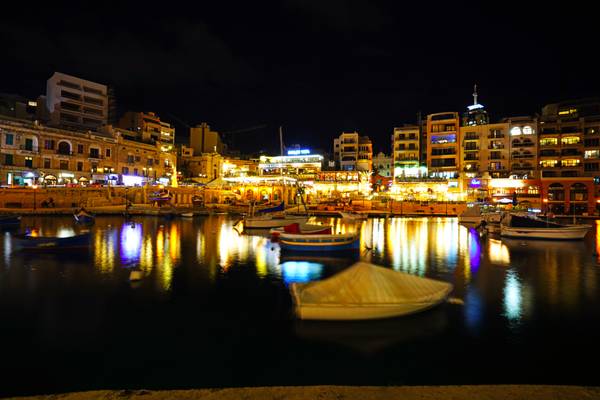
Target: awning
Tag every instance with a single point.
(83, 179)
(49, 178)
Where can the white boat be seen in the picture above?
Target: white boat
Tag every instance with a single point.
(187, 214)
(535, 228)
(320, 242)
(269, 221)
(472, 215)
(303, 229)
(367, 291)
(352, 215)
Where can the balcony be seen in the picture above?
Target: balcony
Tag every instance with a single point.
(524, 144)
(471, 137)
(578, 144)
(549, 153)
(571, 152)
(496, 136)
(501, 168)
(471, 148)
(471, 157)
(94, 156)
(28, 150)
(495, 157)
(64, 153)
(496, 146)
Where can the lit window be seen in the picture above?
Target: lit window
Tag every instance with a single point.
(515, 131)
(527, 130)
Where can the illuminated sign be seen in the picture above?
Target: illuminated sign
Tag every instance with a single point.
(32, 103)
(452, 184)
(298, 152)
(475, 183)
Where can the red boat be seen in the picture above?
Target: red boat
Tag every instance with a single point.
(301, 229)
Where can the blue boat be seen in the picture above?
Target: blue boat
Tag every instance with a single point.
(26, 242)
(300, 242)
(8, 221)
(279, 207)
(84, 218)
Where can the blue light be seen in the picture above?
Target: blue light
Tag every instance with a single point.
(475, 183)
(301, 271)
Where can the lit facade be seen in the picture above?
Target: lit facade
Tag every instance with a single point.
(298, 163)
(485, 148)
(405, 145)
(147, 127)
(523, 132)
(443, 149)
(384, 164)
(76, 103)
(353, 152)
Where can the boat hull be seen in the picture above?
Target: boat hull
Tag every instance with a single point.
(338, 312)
(260, 223)
(10, 221)
(470, 220)
(569, 232)
(84, 219)
(319, 242)
(52, 244)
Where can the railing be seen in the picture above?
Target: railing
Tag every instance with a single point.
(498, 147)
(471, 137)
(526, 144)
(496, 157)
(96, 156)
(496, 136)
(30, 149)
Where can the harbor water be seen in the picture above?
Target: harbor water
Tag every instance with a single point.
(213, 309)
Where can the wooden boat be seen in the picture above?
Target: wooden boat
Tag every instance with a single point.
(163, 196)
(516, 226)
(9, 220)
(352, 215)
(367, 291)
(304, 229)
(84, 218)
(319, 242)
(270, 221)
(50, 243)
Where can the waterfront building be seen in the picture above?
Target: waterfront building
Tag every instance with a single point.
(203, 167)
(204, 140)
(299, 163)
(76, 103)
(405, 145)
(383, 164)
(32, 153)
(523, 132)
(485, 148)
(443, 150)
(353, 152)
(148, 128)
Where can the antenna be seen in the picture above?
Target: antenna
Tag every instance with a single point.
(280, 140)
(475, 94)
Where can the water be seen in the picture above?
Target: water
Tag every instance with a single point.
(213, 310)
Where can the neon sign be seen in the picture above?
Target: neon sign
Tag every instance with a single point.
(298, 152)
(475, 183)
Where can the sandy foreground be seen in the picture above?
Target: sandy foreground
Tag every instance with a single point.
(483, 392)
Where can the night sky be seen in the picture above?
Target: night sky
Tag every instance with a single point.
(315, 67)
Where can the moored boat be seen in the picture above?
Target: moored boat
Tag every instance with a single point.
(9, 220)
(367, 291)
(51, 243)
(471, 215)
(187, 214)
(534, 228)
(319, 242)
(84, 218)
(269, 221)
(304, 229)
(352, 215)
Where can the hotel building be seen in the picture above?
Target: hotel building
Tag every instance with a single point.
(443, 150)
(353, 152)
(405, 145)
(148, 128)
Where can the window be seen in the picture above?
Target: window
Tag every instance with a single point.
(8, 159)
(548, 163)
(570, 163)
(64, 164)
(47, 163)
(570, 140)
(29, 162)
(79, 149)
(130, 159)
(137, 158)
(135, 171)
(94, 152)
(29, 144)
(441, 139)
(79, 166)
(150, 162)
(548, 142)
(107, 152)
(70, 95)
(64, 148)
(125, 170)
(49, 144)
(9, 139)
(592, 154)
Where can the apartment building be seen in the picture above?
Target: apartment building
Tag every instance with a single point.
(384, 164)
(147, 127)
(523, 133)
(32, 153)
(204, 140)
(406, 149)
(485, 148)
(443, 150)
(353, 152)
(76, 103)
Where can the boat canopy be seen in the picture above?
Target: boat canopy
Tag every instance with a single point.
(364, 283)
(518, 221)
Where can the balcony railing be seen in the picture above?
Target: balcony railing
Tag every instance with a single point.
(499, 157)
(96, 156)
(471, 148)
(494, 147)
(471, 137)
(525, 144)
(496, 136)
(30, 149)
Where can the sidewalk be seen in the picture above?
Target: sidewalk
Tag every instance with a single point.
(483, 392)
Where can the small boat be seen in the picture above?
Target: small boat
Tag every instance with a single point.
(9, 221)
(304, 229)
(51, 243)
(270, 221)
(319, 242)
(492, 222)
(352, 215)
(187, 214)
(517, 226)
(197, 201)
(162, 196)
(472, 215)
(367, 291)
(84, 218)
